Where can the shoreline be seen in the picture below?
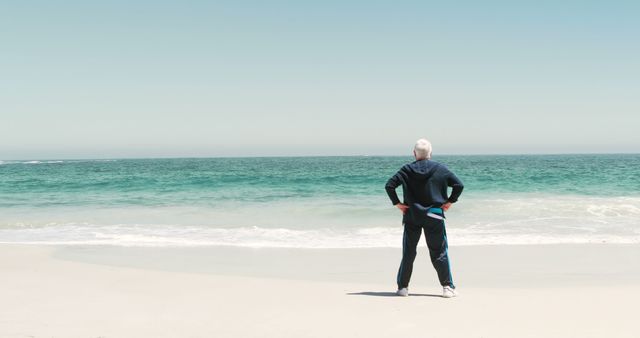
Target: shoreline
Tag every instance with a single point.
(500, 265)
(596, 255)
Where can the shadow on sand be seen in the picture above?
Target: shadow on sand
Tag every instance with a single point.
(389, 294)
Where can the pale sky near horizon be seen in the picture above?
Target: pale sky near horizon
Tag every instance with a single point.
(85, 79)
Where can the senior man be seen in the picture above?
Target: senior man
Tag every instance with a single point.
(424, 185)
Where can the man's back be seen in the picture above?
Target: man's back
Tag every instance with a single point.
(424, 184)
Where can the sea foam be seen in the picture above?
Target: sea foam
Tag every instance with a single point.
(171, 236)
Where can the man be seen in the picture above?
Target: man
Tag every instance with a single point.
(424, 185)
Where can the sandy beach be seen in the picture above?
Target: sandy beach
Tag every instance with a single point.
(505, 291)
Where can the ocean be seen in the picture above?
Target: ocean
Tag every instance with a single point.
(313, 202)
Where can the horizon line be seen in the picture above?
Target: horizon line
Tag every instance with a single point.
(308, 156)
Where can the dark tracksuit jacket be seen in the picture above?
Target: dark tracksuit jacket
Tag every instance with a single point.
(424, 185)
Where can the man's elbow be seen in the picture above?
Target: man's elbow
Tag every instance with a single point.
(390, 191)
(390, 185)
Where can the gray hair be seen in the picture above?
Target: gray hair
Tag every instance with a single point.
(422, 149)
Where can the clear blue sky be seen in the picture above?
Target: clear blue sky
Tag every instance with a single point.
(94, 79)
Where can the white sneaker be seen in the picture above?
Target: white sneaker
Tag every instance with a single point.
(448, 292)
(404, 292)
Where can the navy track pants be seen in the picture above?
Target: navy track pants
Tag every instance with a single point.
(436, 236)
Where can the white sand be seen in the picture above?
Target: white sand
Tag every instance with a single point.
(508, 291)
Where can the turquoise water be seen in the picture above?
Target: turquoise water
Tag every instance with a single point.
(313, 201)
